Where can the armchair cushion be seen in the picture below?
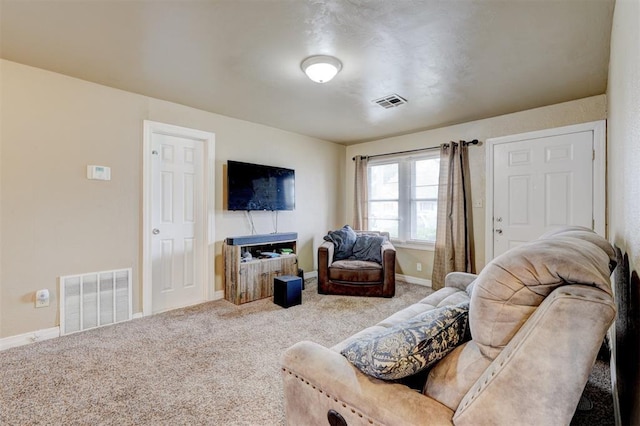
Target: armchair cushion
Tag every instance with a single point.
(343, 239)
(356, 271)
(410, 346)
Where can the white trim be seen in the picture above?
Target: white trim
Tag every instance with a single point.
(137, 315)
(151, 127)
(28, 338)
(218, 295)
(598, 167)
(429, 246)
(312, 274)
(414, 280)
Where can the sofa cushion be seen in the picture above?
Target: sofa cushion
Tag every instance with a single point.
(343, 240)
(355, 271)
(410, 346)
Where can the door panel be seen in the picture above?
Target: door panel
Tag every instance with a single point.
(540, 184)
(177, 220)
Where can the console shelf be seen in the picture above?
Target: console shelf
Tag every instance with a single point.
(249, 280)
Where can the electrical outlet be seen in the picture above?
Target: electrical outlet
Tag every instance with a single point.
(42, 298)
(419, 267)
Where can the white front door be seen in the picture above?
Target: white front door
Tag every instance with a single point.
(541, 181)
(178, 226)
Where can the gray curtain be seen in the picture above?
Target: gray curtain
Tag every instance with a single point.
(361, 195)
(453, 233)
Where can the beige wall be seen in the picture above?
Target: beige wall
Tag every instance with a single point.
(56, 222)
(623, 95)
(579, 111)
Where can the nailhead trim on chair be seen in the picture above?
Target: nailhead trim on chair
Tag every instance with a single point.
(344, 404)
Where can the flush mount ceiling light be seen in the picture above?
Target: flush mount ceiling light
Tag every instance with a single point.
(321, 68)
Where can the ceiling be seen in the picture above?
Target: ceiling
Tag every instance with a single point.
(453, 60)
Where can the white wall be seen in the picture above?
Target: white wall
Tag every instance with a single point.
(54, 222)
(623, 95)
(579, 111)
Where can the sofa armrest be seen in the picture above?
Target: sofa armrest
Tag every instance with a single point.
(459, 280)
(317, 379)
(550, 358)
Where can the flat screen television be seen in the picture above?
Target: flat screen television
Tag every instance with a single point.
(259, 187)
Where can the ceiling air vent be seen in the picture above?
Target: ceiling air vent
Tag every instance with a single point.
(390, 101)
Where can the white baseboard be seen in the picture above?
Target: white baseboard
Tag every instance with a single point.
(414, 280)
(218, 295)
(28, 338)
(137, 315)
(312, 274)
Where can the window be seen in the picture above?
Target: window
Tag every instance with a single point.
(403, 197)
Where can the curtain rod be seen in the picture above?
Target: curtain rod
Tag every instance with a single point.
(473, 142)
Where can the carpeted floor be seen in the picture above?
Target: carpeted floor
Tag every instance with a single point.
(212, 364)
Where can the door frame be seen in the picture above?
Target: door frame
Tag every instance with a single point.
(208, 214)
(598, 167)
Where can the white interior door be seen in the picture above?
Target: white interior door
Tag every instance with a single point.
(177, 221)
(541, 181)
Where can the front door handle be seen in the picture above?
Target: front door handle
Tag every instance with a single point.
(155, 231)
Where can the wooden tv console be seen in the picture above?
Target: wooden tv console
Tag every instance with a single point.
(249, 280)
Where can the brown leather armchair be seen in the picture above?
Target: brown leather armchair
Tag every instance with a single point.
(357, 277)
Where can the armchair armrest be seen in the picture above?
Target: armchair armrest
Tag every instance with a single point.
(325, 258)
(318, 379)
(388, 269)
(326, 251)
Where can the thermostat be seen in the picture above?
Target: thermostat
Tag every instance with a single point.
(99, 172)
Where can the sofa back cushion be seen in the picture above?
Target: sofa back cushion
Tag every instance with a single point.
(511, 286)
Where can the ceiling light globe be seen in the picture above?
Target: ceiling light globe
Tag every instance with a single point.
(321, 69)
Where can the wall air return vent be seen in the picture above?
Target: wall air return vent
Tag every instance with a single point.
(390, 101)
(95, 299)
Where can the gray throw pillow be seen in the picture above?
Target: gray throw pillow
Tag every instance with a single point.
(411, 346)
(369, 247)
(343, 241)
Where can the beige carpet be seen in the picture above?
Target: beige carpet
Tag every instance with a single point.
(212, 364)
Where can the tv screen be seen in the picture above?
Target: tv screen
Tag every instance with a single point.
(260, 187)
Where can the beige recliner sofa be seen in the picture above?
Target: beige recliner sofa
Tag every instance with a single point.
(538, 315)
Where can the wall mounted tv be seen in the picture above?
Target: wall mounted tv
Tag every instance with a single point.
(259, 187)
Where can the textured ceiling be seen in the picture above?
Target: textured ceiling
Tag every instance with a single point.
(453, 60)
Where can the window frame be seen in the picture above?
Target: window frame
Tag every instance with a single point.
(407, 218)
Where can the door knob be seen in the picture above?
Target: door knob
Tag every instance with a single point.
(155, 231)
(499, 231)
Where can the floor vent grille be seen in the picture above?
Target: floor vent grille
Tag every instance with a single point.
(390, 101)
(93, 300)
